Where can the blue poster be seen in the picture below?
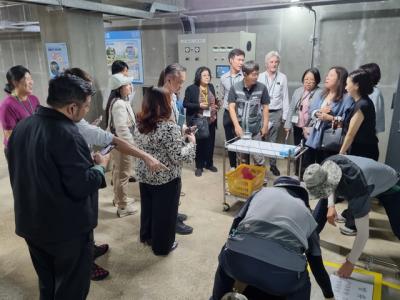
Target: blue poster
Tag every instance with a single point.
(57, 58)
(126, 46)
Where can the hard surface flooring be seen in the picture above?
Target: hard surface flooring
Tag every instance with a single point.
(188, 272)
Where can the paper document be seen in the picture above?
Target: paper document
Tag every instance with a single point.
(350, 289)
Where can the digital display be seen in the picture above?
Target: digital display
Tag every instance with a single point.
(221, 70)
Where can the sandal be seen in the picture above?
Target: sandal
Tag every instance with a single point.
(98, 273)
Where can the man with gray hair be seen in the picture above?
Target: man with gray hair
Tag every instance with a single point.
(248, 106)
(276, 83)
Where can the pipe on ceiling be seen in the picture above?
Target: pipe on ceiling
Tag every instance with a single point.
(259, 7)
(94, 6)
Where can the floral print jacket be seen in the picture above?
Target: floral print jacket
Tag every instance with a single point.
(165, 143)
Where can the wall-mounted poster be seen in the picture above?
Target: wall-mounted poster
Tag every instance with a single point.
(57, 58)
(126, 46)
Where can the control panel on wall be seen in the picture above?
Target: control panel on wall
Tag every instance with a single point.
(192, 51)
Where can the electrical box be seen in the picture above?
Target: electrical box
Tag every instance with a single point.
(211, 50)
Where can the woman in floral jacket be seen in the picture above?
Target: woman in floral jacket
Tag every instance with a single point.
(160, 191)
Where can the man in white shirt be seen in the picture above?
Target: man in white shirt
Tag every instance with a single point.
(276, 83)
(235, 75)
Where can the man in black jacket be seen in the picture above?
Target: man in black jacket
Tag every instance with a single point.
(55, 185)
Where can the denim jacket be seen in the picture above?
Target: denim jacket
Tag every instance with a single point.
(339, 108)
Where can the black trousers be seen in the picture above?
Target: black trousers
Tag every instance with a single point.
(312, 156)
(205, 149)
(63, 269)
(229, 134)
(159, 210)
(269, 279)
(297, 137)
(365, 150)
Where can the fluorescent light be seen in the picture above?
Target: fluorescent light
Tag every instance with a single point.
(293, 1)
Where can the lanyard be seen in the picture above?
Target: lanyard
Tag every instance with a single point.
(26, 109)
(309, 95)
(271, 86)
(204, 92)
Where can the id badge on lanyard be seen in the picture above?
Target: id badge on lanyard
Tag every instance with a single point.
(295, 118)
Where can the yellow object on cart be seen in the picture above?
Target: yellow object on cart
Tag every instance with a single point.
(241, 187)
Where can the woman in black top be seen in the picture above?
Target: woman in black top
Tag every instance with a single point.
(359, 125)
(200, 102)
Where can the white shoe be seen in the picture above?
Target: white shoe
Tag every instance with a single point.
(348, 231)
(126, 211)
(340, 219)
(232, 169)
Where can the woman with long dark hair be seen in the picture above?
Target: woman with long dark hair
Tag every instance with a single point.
(200, 102)
(19, 103)
(160, 191)
(331, 106)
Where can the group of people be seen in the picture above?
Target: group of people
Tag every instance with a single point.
(54, 174)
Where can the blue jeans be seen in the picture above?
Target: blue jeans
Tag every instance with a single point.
(269, 279)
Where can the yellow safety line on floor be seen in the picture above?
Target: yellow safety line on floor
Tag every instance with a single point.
(377, 278)
(391, 285)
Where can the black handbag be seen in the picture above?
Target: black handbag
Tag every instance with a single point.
(203, 131)
(332, 139)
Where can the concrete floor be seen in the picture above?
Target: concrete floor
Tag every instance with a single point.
(188, 272)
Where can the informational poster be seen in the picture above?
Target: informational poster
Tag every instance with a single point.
(350, 289)
(57, 58)
(126, 46)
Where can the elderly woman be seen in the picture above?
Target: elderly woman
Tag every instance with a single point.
(160, 191)
(200, 102)
(20, 103)
(332, 105)
(299, 113)
(360, 123)
(121, 121)
(172, 79)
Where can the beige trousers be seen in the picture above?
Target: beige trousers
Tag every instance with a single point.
(121, 171)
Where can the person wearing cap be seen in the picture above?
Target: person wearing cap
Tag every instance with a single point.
(121, 122)
(270, 242)
(355, 179)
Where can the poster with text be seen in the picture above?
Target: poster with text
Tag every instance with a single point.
(57, 58)
(126, 46)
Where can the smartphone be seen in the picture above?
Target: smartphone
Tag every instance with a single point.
(107, 149)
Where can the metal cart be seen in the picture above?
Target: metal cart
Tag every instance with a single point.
(266, 149)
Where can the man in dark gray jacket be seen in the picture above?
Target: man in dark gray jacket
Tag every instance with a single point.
(270, 242)
(55, 185)
(356, 179)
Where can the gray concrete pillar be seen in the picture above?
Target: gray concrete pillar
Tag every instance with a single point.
(83, 32)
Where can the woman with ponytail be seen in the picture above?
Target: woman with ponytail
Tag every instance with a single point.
(19, 102)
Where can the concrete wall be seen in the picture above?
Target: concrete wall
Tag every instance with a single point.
(347, 35)
(23, 48)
